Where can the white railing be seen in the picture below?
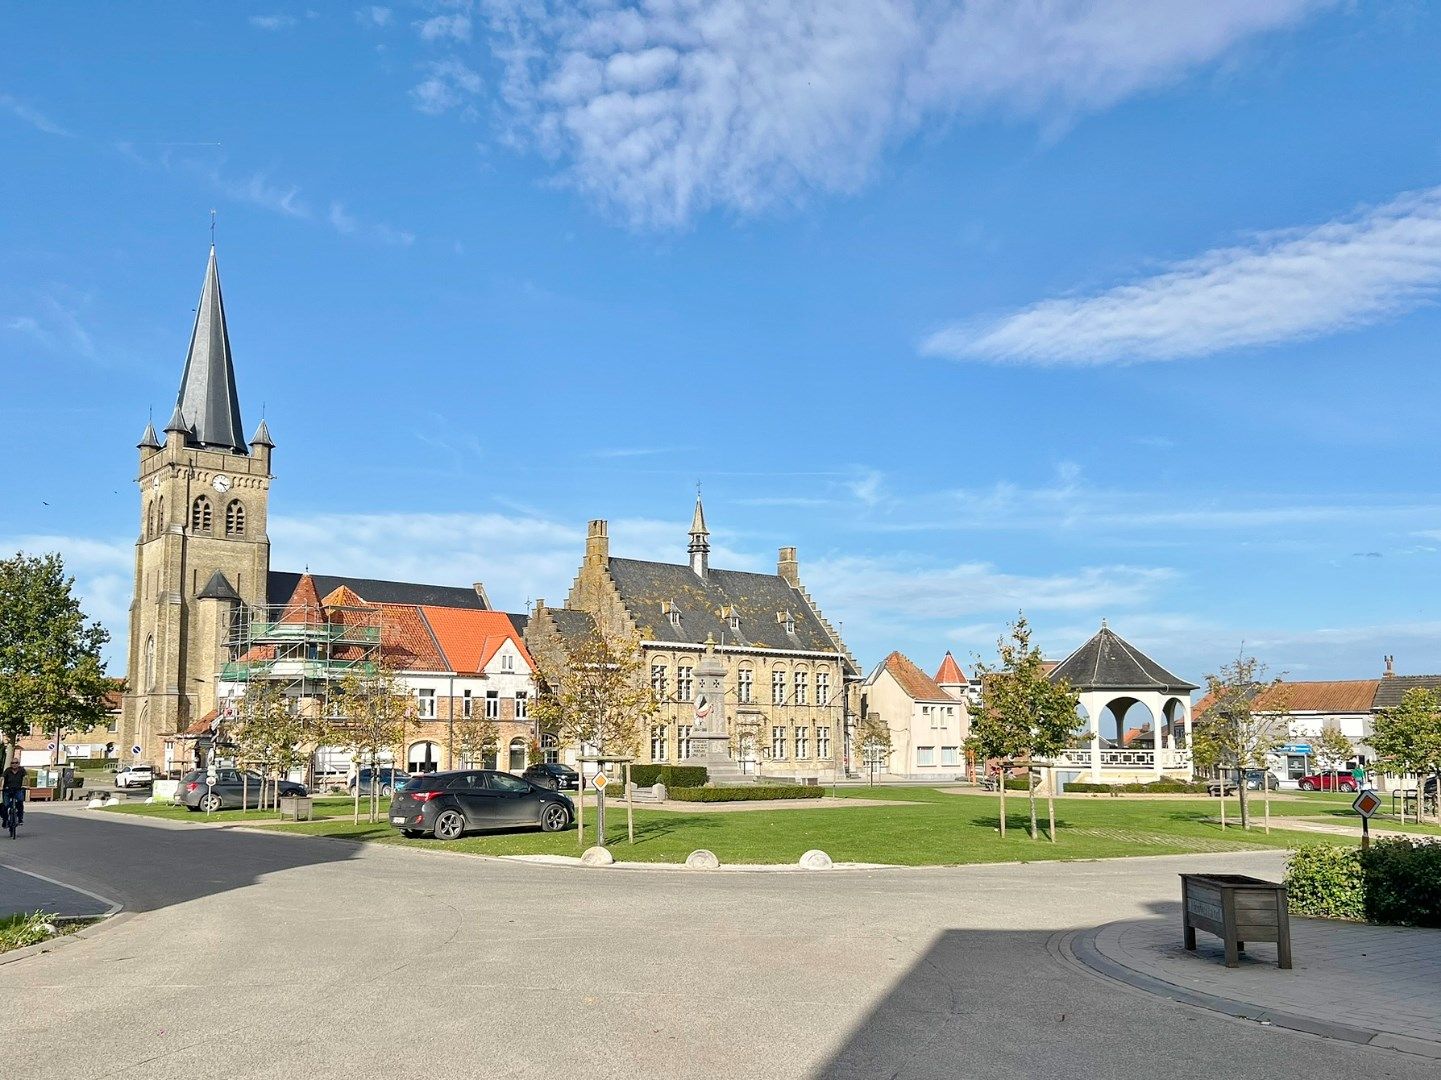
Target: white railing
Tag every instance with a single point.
(1080, 758)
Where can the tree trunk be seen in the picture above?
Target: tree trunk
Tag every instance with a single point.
(1002, 781)
(1051, 804)
(1266, 797)
(1031, 795)
(1223, 799)
(1242, 802)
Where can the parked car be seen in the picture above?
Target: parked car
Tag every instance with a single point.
(129, 776)
(1217, 788)
(1256, 779)
(384, 781)
(447, 805)
(555, 777)
(231, 790)
(1326, 781)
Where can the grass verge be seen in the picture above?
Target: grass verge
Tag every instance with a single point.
(18, 931)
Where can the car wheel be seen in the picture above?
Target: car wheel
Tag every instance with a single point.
(1348, 787)
(1307, 785)
(554, 818)
(385, 791)
(210, 803)
(449, 825)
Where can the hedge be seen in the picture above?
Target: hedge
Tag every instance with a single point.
(750, 793)
(1397, 882)
(1155, 787)
(1016, 783)
(669, 775)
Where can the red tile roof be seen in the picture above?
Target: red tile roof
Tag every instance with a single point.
(469, 639)
(916, 683)
(406, 641)
(1334, 696)
(950, 672)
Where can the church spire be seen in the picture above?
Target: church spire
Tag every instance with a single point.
(207, 395)
(699, 540)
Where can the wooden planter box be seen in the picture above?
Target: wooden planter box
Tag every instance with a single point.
(1237, 909)
(297, 807)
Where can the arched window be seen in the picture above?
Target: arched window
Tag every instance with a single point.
(160, 515)
(517, 754)
(550, 748)
(150, 663)
(200, 515)
(235, 518)
(424, 757)
(150, 521)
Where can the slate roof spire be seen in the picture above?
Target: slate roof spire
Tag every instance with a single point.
(148, 441)
(699, 540)
(207, 397)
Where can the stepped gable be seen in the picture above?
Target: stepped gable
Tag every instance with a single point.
(916, 683)
(758, 599)
(1108, 662)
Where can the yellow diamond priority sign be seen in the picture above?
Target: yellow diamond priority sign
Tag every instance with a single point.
(1367, 803)
(600, 781)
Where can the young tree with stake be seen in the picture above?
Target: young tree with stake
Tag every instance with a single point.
(1407, 739)
(1233, 733)
(375, 714)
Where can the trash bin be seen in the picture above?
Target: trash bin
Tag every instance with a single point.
(1237, 909)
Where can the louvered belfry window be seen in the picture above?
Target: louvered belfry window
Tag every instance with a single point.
(235, 518)
(200, 515)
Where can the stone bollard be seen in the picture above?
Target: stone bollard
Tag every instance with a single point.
(701, 860)
(815, 859)
(95, 803)
(658, 791)
(597, 856)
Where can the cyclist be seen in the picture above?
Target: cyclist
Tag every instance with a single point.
(13, 799)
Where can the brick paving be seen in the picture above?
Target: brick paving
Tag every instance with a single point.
(1381, 981)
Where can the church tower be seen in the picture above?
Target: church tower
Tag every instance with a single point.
(203, 548)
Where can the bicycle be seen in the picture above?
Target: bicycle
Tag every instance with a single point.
(10, 814)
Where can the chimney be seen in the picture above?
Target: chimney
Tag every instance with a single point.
(479, 588)
(539, 607)
(597, 542)
(788, 568)
(1390, 667)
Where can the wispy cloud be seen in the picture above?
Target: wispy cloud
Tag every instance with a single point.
(1286, 285)
(374, 15)
(664, 111)
(449, 84)
(272, 22)
(55, 326)
(347, 225)
(445, 27)
(33, 116)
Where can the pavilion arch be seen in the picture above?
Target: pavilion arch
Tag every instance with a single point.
(1132, 724)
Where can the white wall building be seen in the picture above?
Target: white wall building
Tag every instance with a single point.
(927, 718)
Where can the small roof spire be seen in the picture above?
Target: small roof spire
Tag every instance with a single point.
(207, 389)
(148, 441)
(699, 548)
(177, 422)
(261, 436)
(697, 521)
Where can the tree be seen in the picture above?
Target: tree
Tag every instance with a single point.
(1332, 750)
(51, 673)
(477, 739)
(872, 742)
(1232, 733)
(372, 713)
(1407, 738)
(593, 691)
(1022, 714)
(273, 733)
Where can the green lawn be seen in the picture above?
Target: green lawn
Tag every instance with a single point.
(938, 829)
(325, 805)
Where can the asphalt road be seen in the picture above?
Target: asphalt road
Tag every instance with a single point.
(247, 955)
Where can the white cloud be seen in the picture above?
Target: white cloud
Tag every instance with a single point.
(56, 327)
(441, 27)
(272, 22)
(449, 85)
(665, 110)
(374, 15)
(1284, 285)
(33, 116)
(347, 225)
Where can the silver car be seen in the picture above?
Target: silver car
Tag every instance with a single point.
(231, 790)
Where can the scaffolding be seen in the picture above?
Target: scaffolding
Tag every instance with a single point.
(302, 649)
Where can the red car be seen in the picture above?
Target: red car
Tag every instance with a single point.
(1328, 782)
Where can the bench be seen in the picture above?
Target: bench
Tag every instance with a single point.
(40, 794)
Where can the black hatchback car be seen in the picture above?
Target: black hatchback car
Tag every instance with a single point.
(447, 805)
(555, 777)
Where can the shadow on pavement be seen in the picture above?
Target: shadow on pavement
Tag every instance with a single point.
(148, 865)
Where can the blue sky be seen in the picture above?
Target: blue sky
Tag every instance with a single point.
(1066, 307)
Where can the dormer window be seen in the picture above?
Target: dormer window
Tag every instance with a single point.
(734, 622)
(671, 612)
(788, 620)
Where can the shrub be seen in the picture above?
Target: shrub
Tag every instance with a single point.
(1402, 882)
(1326, 881)
(1017, 783)
(1086, 787)
(745, 794)
(669, 775)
